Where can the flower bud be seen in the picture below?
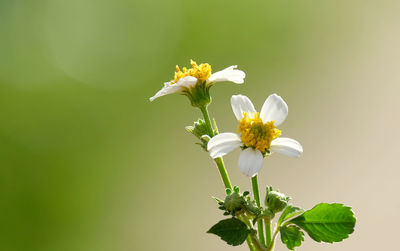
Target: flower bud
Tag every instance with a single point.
(234, 202)
(252, 209)
(275, 201)
(200, 130)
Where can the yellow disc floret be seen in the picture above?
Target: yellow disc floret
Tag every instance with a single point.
(202, 72)
(257, 134)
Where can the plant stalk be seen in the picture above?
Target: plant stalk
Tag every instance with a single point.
(272, 243)
(268, 230)
(221, 167)
(251, 239)
(222, 171)
(207, 119)
(219, 161)
(250, 244)
(260, 225)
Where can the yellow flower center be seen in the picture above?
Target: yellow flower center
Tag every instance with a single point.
(257, 134)
(202, 72)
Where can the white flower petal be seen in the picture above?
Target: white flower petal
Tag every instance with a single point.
(222, 144)
(167, 89)
(187, 81)
(178, 87)
(228, 74)
(286, 146)
(241, 104)
(250, 161)
(274, 109)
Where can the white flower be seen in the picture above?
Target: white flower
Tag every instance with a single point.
(187, 79)
(258, 134)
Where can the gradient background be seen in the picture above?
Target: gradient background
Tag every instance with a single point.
(88, 163)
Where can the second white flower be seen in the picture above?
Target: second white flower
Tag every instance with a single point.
(258, 135)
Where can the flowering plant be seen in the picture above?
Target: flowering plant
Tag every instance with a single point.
(258, 137)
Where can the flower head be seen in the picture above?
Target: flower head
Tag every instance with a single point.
(196, 81)
(202, 72)
(258, 135)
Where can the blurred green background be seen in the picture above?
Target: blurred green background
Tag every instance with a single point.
(88, 163)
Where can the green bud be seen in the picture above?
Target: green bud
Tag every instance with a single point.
(199, 129)
(234, 202)
(275, 201)
(252, 209)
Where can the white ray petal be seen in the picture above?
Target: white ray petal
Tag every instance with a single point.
(187, 81)
(228, 74)
(286, 146)
(167, 89)
(274, 109)
(250, 161)
(178, 87)
(222, 144)
(241, 104)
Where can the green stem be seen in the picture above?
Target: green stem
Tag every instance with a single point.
(257, 244)
(218, 161)
(260, 225)
(272, 244)
(207, 119)
(221, 167)
(268, 230)
(250, 243)
(223, 172)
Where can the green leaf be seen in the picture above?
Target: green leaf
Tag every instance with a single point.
(289, 212)
(291, 236)
(232, 230)
(327, 222)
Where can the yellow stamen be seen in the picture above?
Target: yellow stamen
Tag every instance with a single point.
(202, 72)
(257, 134)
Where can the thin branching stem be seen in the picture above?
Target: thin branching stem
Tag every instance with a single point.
(260, 225)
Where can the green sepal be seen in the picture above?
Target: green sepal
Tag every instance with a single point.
(233, 231)
(327, 222)
(291, 236)
(199, 94)
(219, 201)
